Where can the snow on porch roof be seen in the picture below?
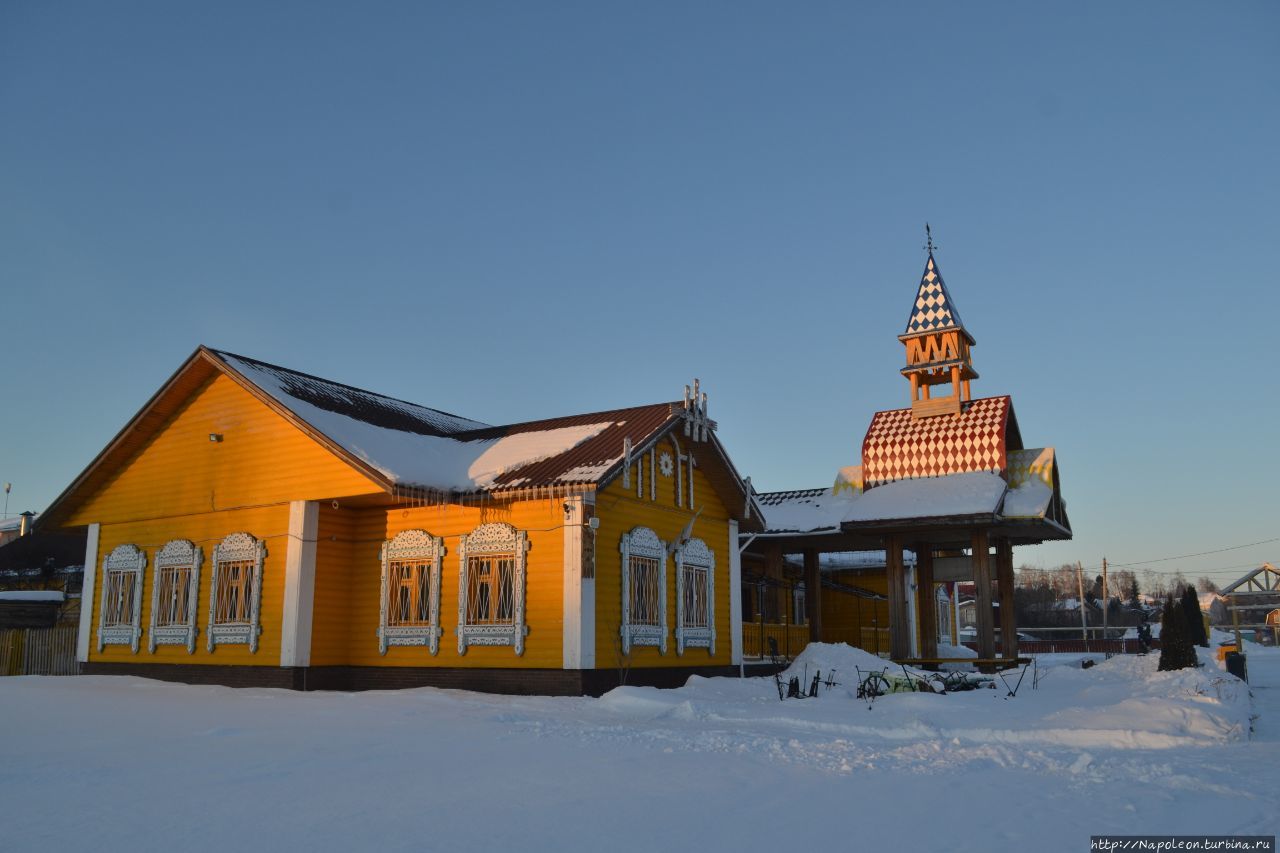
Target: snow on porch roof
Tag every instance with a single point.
(1027, 495)
(419, 447)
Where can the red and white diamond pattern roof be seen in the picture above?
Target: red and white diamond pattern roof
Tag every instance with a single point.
(900, 447)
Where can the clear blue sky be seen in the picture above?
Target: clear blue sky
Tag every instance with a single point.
(518, 210)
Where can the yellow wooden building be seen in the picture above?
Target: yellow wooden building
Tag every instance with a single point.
(257, 525)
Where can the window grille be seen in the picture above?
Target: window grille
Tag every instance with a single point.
(174, 592)
(120, 611)
(695, 597)
(410, 611)
(491, 588)
(235, 598)
(644, 585)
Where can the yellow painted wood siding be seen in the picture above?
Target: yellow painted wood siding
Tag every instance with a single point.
(860, 622)
(262, 460)
(269, 523)
(348, 584)
(620, 509)
(336, 551)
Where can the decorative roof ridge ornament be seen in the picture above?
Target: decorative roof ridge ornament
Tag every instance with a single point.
(696, 423)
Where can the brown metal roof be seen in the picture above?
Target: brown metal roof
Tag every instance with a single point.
(603, 452)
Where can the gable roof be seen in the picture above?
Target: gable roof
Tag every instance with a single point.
(934, 310)
(405, 448)
(899, 446)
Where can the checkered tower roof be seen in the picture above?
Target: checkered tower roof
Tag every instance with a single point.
(901, 447)
(934, 309)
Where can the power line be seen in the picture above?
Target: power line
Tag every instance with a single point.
(1198, 554)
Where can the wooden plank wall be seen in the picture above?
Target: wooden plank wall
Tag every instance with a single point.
(860, 622)
(348, 583)
(620, 509)
(261, 459)
(269, 523)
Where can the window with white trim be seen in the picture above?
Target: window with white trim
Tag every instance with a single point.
(120, 611)
(410, 611)
(799, 606)
(491, 587)
(174, 592)
(235, 597)
(644, 584)
(695, 597)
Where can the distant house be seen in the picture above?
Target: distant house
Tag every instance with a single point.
(12, 528)
(40, 579)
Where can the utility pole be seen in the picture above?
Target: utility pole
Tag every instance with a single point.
(1106, 598)
(1084, 622)
(7, 487)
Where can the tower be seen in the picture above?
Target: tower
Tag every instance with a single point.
(938, 347)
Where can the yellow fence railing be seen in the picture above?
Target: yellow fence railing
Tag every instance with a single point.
(790, 639)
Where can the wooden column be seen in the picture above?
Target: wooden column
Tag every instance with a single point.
(928, 601)
(1004, 593)
(982, 585)
(899, 638)
(813, 594)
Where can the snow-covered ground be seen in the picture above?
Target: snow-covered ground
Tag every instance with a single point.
(719, 764)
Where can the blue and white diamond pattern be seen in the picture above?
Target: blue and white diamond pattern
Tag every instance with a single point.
(933, 310)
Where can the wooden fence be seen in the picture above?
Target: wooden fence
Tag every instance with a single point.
(38, 651)
(790, 638)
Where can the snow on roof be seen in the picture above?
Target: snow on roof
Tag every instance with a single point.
(974, 493)
(289, 387)
(14, 523)
(442, 462)
(805, 510)
(1030, 500)
(843, 561)
(33, 595)
(416, 446)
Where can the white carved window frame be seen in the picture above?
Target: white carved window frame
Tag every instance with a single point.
(643, 542)
(493, 538)
(696, 554)
(420, 547)
(238, 547)
(123, 559)
(176, 553)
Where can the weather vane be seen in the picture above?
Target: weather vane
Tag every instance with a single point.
(929, 235)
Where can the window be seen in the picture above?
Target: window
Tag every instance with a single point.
(120, 612)
(174, 591)
(695, 597)
(411, 591)
(236, 592)
(799, 606)
(491, 588)
(644, 584)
